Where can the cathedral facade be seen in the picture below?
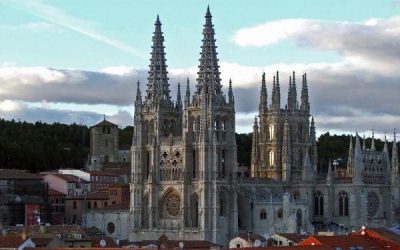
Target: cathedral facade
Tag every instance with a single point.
(184, 169)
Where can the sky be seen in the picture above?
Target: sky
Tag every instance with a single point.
(75, 61)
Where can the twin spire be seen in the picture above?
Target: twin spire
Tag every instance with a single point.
(208, 81)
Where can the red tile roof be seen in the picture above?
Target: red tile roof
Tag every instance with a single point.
(42, 242)
(381, 234)
(105, 123)
(11, 241)
(346, 241)
(17, 174)
(164, 242)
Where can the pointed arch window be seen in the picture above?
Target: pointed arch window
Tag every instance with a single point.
(271, 132)
(318, 204)
(263, 214)
(343, 202)
(271, 158)
(280, 213)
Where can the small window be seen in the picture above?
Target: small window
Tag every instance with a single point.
(110, 228)
(280, 213)
(263, 215)
(74, 205)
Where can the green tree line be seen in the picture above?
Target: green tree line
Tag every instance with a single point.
(40, 146)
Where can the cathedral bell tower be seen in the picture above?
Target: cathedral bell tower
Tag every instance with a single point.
(209, 134)
(155, 118)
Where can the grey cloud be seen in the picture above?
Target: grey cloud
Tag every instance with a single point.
(346, 95)
(380, 42)
(122, 118)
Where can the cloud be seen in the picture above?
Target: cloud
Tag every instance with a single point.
(342, 91)
(374, 43)
(21, 111)
(10, 106)
(59, 17)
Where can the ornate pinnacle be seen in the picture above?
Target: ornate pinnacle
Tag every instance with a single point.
(230, 92)
(208, 74)
(178, 97)
(276, 95)
(305, 105)
(373, 141)
(138, 101)
(263, 95)
(158, 87)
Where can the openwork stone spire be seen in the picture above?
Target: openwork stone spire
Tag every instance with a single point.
(305, 104)
(138, 101)
(276, 93)
(208, 76)
(158, 87)
(373, 141)
(263, 95)
(395, 162)
(178, 98)
(349, 170)
(230, 92)
(187, 95)
(289, 99)
(293, 99)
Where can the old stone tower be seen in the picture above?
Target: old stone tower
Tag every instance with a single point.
(284, 143)
(184, 154)
(103, 144)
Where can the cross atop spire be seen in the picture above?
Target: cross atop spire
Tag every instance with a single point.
(208, 76)
(158, 87)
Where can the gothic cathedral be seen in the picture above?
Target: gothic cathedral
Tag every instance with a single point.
(184, 170)
(184, 154)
